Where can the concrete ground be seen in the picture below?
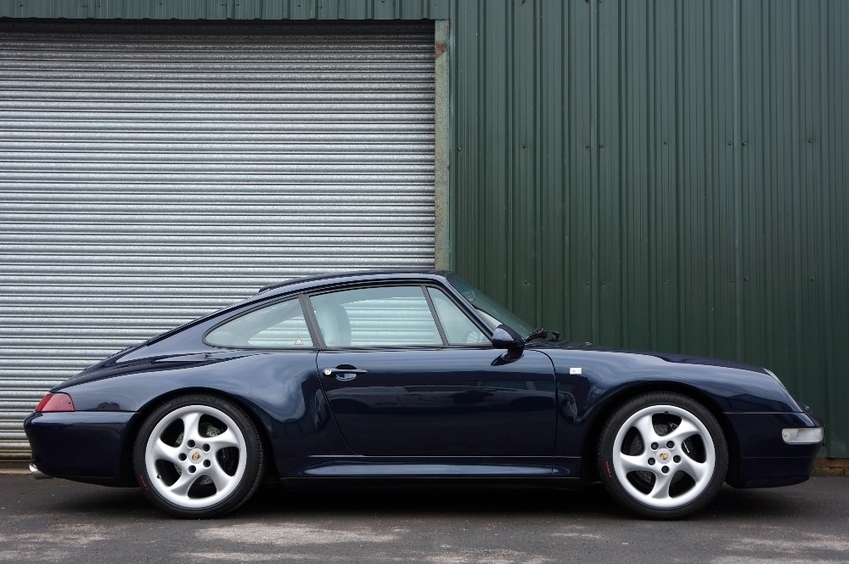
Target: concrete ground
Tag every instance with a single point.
(60, 521)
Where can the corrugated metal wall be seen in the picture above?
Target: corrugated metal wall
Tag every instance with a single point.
(228, 9)
(150, 174)
(664, 175)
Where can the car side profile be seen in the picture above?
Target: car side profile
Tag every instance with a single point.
(408, 374)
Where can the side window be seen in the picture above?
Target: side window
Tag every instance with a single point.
(278, 326)
(458, 328)
(376, 317)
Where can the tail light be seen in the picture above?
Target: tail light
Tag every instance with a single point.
(55, 402)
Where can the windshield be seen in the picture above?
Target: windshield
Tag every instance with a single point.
(494, 313)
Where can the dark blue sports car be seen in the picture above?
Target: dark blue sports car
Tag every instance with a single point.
(406, 375)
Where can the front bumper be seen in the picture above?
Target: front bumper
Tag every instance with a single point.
(765, 459)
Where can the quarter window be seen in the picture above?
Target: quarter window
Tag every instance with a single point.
(459, 329)
(278, 326)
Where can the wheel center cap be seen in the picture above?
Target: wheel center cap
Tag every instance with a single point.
(664, 456)
(195, 455)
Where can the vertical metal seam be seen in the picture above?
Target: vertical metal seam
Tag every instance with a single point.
(679, 173)
(738, 181)
(481, 94)
(566, 164)
(825, 222)
(595, 163)
(651, 156)
(765, 111)
(509, 149)
(622, 182)
(795, 168)
(710, 138)
(537, 165)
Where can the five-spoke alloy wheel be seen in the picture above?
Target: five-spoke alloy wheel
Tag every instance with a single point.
(662, 455)
(198, 456)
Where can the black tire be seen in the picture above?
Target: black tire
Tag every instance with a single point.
(662, 455)
(209, 440)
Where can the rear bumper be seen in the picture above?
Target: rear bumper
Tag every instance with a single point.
(85, 446)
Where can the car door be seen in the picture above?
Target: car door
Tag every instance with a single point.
(408, 374)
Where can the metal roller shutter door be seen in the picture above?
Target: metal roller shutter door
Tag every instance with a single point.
(153, 173)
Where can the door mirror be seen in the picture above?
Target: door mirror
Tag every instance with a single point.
(504, 337)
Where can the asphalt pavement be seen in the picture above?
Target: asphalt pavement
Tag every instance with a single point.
(61, 521)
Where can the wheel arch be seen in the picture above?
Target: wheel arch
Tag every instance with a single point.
(590, 451)
(128, 477)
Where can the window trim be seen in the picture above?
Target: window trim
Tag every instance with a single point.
(312, 321)
(436, 319)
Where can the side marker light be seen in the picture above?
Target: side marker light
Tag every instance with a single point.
(804, 436)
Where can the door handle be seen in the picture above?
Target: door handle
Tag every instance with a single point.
(344, 372)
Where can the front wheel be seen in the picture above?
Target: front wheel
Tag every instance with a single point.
(662, 455)
(198, 456)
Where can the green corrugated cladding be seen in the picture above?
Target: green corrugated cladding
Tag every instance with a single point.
(663, 175)
(651, 174)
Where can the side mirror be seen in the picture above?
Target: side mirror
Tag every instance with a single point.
(505, 337)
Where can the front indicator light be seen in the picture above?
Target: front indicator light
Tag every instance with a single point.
(55, 402)
(805, 436)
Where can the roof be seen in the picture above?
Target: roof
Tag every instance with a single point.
(347, 276)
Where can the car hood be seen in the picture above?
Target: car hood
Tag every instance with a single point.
(668, 357)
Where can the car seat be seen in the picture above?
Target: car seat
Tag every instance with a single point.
(335, 325)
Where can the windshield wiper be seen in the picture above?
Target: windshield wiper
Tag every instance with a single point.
(542, 334)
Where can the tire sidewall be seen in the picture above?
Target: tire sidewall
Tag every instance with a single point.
(253, 454)
(607, 469)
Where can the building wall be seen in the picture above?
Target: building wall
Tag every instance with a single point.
(661, 174)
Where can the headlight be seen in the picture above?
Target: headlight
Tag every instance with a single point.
(804, 436)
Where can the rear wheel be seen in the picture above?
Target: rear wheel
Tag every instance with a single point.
(198, 456)
(662, 455)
